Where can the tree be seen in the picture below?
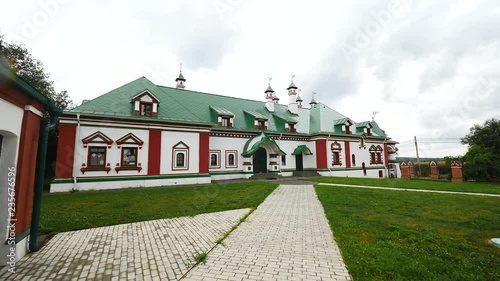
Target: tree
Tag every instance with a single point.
(482, 160)
(22, 63)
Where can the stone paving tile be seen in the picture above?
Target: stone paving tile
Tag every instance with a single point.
(151, 250)
(286, 238)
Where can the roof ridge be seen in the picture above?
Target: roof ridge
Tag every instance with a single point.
(219, 95)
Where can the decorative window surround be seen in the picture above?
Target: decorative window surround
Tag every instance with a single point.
(180, 156)
(214, 158)
(97, 137)
(93, 162)
(96, 144)
(130, 139)
(376, 154)
(145, 104)
(336, 149)
(231, 159)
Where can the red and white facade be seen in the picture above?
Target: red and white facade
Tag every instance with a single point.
(21, 111)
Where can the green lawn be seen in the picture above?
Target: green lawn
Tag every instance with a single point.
(64, 212)
(414, 236)
(416, 184)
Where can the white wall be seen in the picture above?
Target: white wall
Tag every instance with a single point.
(10, 129)
(113, 154)
(224, 144)
(309, 161)
(171, 138)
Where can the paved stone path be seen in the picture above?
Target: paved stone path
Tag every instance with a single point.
(411, 189)
(286, 238)
(151, 250)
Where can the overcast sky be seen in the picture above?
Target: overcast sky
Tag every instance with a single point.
(431, 68)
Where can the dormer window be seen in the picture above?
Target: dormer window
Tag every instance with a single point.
(291, 128)
(348, 128)
(145, 104)
(224, 116)
(146, 108)
(368, 129)
(261, 125)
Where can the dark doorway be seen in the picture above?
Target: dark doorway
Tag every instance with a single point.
(380, 174)
(393, 171)
(364, 168)
(299, 163)
(260, 161)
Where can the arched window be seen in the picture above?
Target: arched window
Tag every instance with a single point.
(214, 159)
(180, 156)
(180, 159)
(354, 160)
(231, 159)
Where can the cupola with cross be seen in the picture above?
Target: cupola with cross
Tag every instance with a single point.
(292, 95)
(313, 102)
(181, 81)
(299, 100)
(270, 96)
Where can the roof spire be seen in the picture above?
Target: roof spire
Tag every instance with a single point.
(313, 101)
(292, 85)
(269, 89)
(180, 80)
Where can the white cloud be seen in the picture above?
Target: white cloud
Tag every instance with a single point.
(424, 66)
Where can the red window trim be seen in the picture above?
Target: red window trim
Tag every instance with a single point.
(141, 103)
(125, 166)
(96, 167)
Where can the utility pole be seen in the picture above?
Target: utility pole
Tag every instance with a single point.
(418, 158)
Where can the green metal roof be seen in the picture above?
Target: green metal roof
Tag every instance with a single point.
(286, 118)
(302, 149)
(362, 124)
(291, 86)
(341, 121)
(299, 98)
(253, 144)
(182, 105)
(221, 111)
(256, 114)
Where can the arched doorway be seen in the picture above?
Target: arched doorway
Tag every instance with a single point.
(260, 161)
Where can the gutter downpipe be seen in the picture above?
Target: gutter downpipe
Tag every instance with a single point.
(78, 127)
(39, 177)
(281, 162)
(329, 169)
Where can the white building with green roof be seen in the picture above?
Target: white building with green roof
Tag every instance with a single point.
(142, 134)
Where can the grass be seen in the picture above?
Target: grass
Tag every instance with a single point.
(493, 188)
(414, 236)
(200, 258)
(80, 210)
